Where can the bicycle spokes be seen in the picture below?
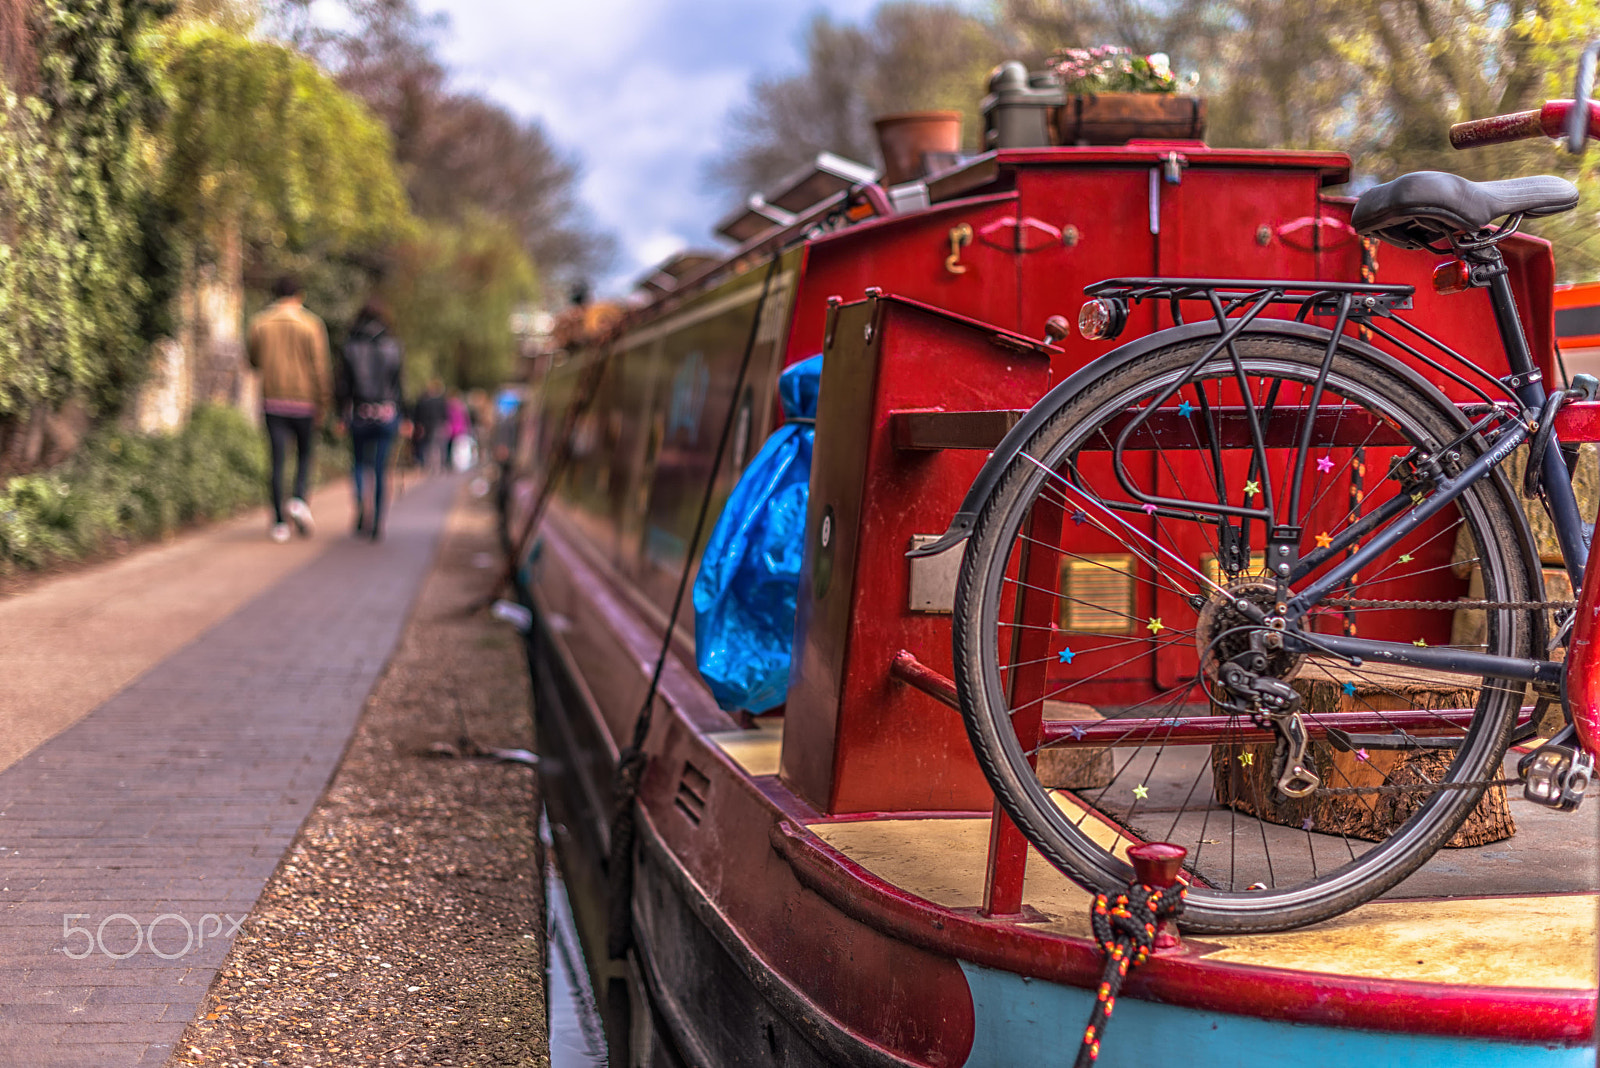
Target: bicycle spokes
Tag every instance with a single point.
(1145, 658)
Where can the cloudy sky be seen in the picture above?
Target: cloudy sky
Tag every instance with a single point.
(637, 89)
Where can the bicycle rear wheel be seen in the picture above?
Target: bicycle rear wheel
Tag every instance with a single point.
(1089, 627)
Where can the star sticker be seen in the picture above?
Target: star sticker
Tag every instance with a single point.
(1247, 759)
(1349, 689)
(1065, 656)
(1149, 509)
(1141, 791)
(1155, 626)
(1252, 488)
(1416, 498)
(1077, 732)
(1079, 517)
(1406, 558)
(1186, 409)
(1419, 642)
(1325, 464)
(1361, 754)
(1324, 540)
(1307, 824)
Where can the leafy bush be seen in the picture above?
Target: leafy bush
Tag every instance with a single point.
(129, 486)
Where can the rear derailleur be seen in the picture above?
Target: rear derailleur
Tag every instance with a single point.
(1273, 703)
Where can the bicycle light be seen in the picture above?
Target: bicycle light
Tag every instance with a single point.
(1452, 276)
(1102, 318)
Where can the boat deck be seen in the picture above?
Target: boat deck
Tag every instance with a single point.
(1470, 917)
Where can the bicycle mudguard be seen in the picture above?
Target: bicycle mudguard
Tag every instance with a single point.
(1583, 660)
(1011, 445)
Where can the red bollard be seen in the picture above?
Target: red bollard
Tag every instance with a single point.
(1157, 864)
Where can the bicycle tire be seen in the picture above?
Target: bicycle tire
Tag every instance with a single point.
(998, 546)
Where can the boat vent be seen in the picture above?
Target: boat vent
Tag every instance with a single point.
(693, 788)
(1099, 593)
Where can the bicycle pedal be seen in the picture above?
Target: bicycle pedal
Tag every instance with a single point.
(1556, 776)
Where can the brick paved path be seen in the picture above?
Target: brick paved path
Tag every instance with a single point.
(177, 796)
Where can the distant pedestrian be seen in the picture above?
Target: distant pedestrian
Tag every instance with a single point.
(289, 346)
(369, 395)
(429, 420)
(460, 430)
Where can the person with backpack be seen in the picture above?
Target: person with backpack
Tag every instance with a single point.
(369, 396)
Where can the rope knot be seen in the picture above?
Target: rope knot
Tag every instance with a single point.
(1125, 927)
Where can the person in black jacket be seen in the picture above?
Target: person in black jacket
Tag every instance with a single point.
(369, 394)
(428, 421)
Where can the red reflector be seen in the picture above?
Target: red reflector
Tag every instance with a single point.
(1452, 276)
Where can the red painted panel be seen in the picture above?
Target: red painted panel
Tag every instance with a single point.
(855, 738)
(1103, 212)
(1214, 220)
(907, 255)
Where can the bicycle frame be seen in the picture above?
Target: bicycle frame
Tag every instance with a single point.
(1523, 411)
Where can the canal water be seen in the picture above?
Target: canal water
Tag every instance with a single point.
(577, 1033)
(598, 1009)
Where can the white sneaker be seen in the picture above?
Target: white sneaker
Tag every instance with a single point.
(300, 513)
(280, 532)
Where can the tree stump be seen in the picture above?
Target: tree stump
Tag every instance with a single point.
(1073, 767)
(1242, 774)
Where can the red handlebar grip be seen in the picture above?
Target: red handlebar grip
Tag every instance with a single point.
(1497, 129)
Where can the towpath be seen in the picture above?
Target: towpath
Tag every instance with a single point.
(167, 723)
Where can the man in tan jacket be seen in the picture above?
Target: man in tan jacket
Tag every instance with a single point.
(289, 346)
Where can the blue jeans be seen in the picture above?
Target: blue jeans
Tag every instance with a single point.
(370, 444)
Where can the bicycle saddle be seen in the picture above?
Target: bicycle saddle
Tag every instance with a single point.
(1418, 209)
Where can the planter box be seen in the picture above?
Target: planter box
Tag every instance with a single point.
(1117, 118)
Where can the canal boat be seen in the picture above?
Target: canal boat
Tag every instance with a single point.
(830, 883)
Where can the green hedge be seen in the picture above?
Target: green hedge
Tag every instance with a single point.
(128, 486)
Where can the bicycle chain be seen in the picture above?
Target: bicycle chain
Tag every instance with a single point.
(1333, 791)
(1515, 606)
(1358, 602)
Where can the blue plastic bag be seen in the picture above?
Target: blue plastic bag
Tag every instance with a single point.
(744, 596)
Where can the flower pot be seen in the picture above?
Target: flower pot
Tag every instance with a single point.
(1117, 118)
(907, 140)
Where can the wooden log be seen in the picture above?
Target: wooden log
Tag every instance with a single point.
(1075, 768)
(1242, 774)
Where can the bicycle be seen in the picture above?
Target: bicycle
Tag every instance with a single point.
(1208, 473)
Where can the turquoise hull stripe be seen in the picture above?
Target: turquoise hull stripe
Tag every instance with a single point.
(1021, 1023)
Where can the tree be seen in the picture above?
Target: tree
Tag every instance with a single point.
(480, 159)
(461, 153)
(18, 63)
(74, 174)
(264, 140)
(1381, 80)
(911, 56)
(454, 288)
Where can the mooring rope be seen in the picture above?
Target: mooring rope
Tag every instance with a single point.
(632, 761)
(1125, 927)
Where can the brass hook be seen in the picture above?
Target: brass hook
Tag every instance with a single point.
(959, 236)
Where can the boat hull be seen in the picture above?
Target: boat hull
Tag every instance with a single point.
(737, 987)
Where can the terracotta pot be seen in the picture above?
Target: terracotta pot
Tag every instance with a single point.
(1117, 118)
(907, 140)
